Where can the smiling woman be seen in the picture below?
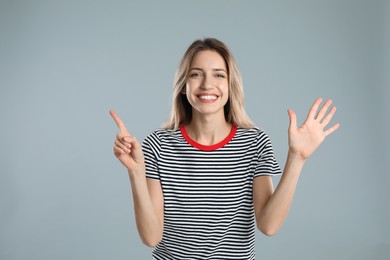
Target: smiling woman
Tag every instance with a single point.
(203, 183)
(207, 88)
(234, 108)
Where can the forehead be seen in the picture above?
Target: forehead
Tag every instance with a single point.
(208, 59)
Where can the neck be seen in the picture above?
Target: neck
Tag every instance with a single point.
(208, 130)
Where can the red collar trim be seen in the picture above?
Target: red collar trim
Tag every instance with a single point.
(208, 147)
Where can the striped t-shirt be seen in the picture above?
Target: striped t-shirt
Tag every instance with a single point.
(208, 205)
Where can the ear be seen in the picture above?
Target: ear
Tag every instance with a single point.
(183, 90)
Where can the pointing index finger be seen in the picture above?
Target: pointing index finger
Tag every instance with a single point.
(119, 122)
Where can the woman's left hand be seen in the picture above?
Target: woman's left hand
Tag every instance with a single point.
(304, 140)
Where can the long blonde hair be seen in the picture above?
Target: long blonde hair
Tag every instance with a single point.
(181, 113)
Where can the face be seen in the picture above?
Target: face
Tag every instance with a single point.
(207, 84)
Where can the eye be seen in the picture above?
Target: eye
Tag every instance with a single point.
(220, 75)
(195, 75)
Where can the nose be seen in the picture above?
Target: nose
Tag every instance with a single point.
(207, 82)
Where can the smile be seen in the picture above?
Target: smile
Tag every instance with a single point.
(208, 97)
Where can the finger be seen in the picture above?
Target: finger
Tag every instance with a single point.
(324, 109)
(129, 140)
(123, 138)
(118, 151)
(313, 109)
(293, 119)
(332, 129)
(124, 146)
(119, 122)
(132, 140)
(329, 116)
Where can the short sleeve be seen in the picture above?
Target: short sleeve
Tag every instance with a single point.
(151, 148)
(266, 161)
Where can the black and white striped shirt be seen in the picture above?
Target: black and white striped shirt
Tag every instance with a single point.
(208, 206)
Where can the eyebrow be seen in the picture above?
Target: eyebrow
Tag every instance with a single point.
(216, 69)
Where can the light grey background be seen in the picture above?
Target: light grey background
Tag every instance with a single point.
(64, 64)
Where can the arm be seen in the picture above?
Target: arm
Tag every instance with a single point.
(147, 194)
(148, 208)
(271, 207)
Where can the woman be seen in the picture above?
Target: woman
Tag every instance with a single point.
(203, 183)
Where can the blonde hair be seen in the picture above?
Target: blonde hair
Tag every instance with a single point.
(181, 113)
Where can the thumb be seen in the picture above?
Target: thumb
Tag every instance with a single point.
(136, 148)
(132, 140)
(293, 119)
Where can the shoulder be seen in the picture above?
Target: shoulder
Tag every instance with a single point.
(253, 132)
(255, 136)
(160, 135)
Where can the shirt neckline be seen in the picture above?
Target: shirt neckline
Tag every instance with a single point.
(209, 147)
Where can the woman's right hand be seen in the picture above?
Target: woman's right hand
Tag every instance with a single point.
(127, 149)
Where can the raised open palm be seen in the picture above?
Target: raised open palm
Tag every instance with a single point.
(304, 140)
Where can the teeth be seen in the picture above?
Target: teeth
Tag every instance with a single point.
(208, 97)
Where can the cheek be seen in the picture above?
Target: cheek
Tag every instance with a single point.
(224, 88)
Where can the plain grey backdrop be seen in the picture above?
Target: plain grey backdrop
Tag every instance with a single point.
(64, 64)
